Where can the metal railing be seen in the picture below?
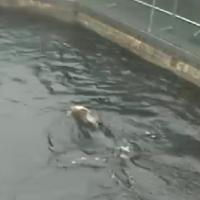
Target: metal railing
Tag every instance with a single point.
(173, 14)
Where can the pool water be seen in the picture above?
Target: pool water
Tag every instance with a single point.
(45, 67)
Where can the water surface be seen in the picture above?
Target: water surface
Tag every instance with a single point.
(45, 67)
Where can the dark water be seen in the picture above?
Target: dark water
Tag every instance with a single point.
(45, 68)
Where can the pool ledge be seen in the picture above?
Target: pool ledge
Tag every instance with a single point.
(146, 46)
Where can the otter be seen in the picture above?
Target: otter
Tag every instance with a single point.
(92, 135)
(89, 119)
(84, 116)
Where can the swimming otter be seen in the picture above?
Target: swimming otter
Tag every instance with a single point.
(92, 135)
(84, 116)
(89, 119)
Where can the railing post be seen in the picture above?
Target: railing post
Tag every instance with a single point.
(174, 14)
(174, 11)
(173, 17)
(196, 34)
(151, 18)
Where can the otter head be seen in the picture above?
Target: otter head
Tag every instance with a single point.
(84, 116)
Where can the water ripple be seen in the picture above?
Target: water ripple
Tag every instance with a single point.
(46, 67)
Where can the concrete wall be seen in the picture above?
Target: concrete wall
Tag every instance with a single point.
(64, 10)
(142, 49)
(70, 11)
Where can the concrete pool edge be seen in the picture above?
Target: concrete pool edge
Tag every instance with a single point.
(63, 11)
(151, 49)
(142, 49)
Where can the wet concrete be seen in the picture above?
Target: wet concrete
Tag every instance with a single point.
(44, 68)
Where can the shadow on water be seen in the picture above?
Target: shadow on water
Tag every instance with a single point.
(46, 66)
(183, 145)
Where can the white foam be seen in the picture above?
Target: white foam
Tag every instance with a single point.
(83, 158)
(125, 148)
(74, 162)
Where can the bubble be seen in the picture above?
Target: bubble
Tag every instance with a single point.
(153, 136)
(124, 156)
(125, 148)
(147, 132)
(83, 158)
(74, 162)
(97, 158)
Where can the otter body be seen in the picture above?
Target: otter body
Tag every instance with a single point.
(92, 134)
(84, 116)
